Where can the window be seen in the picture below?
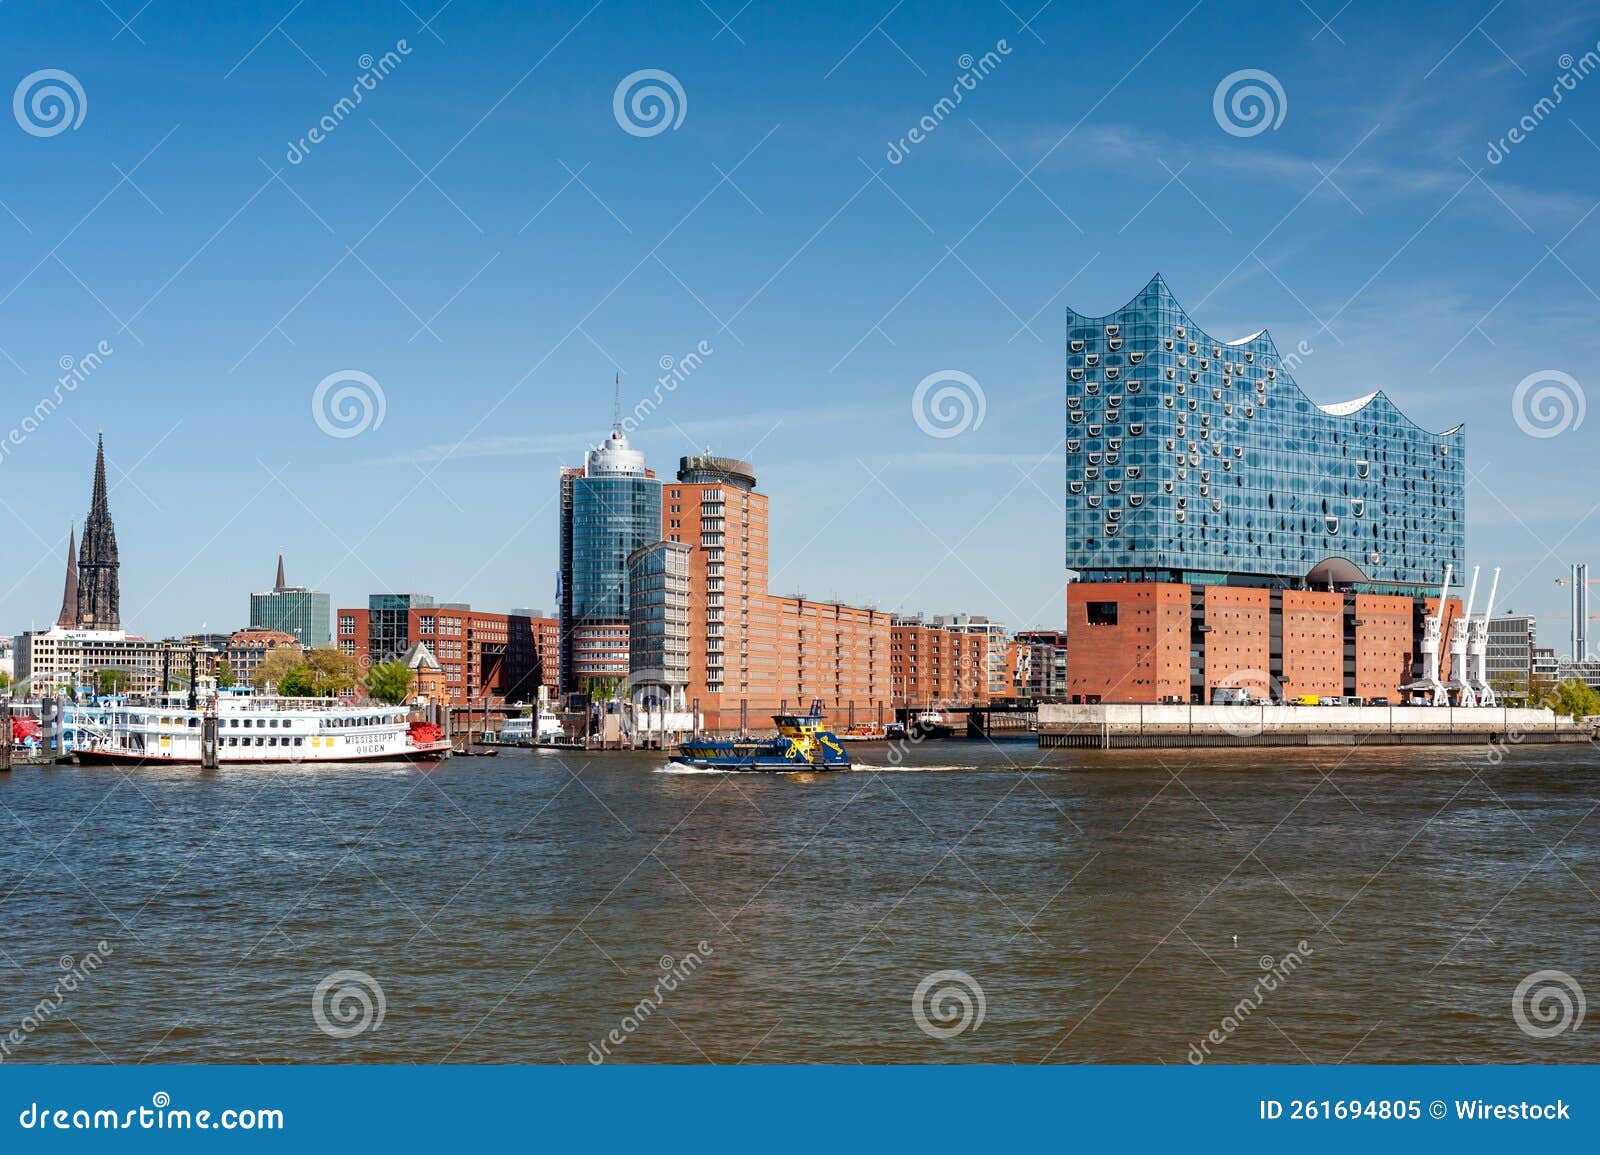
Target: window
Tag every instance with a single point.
(1102, 613)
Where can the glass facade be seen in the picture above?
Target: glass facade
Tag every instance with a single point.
(307, 614)
(388, 624)
(1196, 460)
(608, 509)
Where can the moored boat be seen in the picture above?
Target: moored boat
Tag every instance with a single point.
(257, 729)
(801, 744)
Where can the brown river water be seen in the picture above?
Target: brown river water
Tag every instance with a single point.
(1369, 905)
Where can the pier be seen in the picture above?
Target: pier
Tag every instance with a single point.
(1133, 726)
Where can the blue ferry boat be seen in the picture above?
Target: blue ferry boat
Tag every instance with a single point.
(802, 744)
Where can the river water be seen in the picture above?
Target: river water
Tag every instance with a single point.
(1364, 906)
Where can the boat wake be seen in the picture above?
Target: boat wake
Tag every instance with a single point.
(681, 768)
(906, 769)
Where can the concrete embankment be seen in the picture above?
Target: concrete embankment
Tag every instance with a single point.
(1116, 726)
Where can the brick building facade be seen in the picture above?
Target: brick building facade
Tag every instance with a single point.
(504, 657)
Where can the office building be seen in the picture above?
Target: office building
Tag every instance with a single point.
(66, 661)
(1508, 656)
(484, 656)
(1546, 666)
(658, 627)
(305, 613)
(609, 508)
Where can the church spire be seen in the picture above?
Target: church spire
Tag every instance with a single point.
(280, 582)
(67, 619)
(99, 592)
(98, 503)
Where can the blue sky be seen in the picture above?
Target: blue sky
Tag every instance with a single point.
(482, 238)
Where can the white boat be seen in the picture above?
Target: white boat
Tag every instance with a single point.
(544, 728)
(256, 729)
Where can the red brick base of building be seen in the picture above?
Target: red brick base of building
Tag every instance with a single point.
(1164, 641)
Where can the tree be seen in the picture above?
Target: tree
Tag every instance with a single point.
(114, 682)
(224, 673)
(331, 671)
(390, 682)
(276, 665)
(297, 683)
(1509, 687)
(5, 680)
(1576, 700)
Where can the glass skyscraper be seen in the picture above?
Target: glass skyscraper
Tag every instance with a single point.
(1196, 460)
(609, 508)
(305, 613)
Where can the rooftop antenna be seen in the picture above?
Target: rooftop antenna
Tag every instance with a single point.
(616, 407)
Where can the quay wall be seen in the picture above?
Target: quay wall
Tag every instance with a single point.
(1118, 725)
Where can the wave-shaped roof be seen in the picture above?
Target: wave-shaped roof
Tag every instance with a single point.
(1261, 342)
